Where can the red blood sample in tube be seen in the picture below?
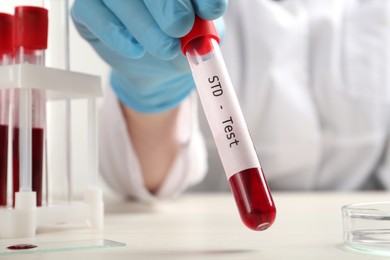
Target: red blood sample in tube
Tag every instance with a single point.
(227, 123)
(37, 162)
(253, 199)
(6, 49)
(3, 164)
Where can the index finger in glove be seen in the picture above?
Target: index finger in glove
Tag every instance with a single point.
(210, 9)
(174, 17)
(138, 20)
(95, 22)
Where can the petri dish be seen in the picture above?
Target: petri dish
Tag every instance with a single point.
(367, 227)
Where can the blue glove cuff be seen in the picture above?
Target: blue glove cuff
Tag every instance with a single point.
(152, 99)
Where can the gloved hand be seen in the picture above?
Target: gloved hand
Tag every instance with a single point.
(139, 39)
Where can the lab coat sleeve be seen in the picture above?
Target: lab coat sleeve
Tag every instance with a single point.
(118, 162)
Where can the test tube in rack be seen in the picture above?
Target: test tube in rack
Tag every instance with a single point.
(6, 51)
(30, 41)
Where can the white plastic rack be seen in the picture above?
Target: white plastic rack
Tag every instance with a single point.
(25, 217)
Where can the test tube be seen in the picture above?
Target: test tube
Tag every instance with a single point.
(30, 41)
(6, 50)
(228, 126)
(59, 126)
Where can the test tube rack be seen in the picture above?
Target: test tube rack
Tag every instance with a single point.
(25, 217)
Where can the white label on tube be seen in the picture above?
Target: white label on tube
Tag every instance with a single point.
(225, 117)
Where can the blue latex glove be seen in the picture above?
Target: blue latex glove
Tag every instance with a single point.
(139, 39)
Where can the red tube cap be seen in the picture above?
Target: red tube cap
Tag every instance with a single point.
(6, 44)
(201, 28)
(31, 27)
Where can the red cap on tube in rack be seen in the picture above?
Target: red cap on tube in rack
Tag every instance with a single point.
(31, 27)
(6, 45)
(202, 29)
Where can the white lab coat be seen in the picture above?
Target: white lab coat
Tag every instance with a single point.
(312, 80)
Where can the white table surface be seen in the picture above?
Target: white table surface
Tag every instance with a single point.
(207, 226)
